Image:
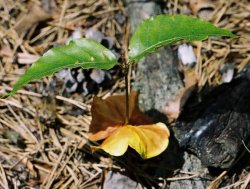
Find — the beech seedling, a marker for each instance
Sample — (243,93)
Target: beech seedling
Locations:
(118,120)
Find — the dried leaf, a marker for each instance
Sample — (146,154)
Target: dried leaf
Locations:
(103,134)
(203,8)
(173,107)
(147,140)
(36,14)
(108,122)
(109,114)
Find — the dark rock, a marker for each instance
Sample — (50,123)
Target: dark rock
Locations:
(215,128)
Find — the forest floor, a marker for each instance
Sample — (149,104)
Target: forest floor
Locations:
(43,128)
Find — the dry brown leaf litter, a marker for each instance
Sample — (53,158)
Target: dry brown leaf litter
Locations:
(55,154)
(55,139)
(216,52)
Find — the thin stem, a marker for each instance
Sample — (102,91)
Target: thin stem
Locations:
(127,96)
(126,70)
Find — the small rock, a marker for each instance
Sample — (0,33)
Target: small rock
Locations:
(115,180)
(92,33)
(77,34)
(186,55)
(192,164)
(227,73)
(97,75)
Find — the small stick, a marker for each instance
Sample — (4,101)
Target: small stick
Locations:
(126,70)
(127,96)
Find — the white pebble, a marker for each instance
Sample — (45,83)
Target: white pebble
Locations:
(228,74)
(97,75)
(94,34)
(186,55)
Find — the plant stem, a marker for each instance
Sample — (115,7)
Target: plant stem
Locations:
(126,96)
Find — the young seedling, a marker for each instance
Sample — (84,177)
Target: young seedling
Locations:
(118,119)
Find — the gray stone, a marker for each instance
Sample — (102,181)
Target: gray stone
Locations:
(115,180)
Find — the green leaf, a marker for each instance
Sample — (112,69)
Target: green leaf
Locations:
(85,53)
(161,30)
